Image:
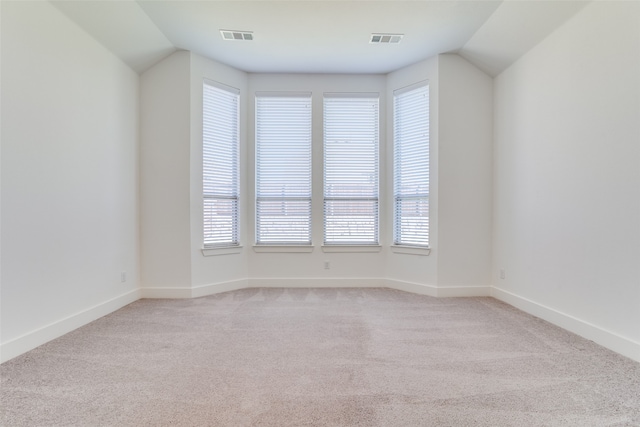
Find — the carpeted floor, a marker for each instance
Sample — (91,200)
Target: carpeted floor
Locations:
(320,357)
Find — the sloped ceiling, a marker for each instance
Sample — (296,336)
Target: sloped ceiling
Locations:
(320,36)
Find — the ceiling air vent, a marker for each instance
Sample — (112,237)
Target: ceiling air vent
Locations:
(385,38)
(232,35)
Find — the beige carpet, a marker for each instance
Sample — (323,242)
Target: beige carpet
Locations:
(320,357)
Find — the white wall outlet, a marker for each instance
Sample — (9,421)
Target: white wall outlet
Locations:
(327,265)
(502,273)
(123,277)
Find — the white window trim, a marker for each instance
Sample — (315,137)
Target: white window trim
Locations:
(410,250)
(342,246)
(220,248)
(283,248)
(221,251)
(406,247)
(351,248)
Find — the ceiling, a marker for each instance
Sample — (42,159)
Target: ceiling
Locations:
(320,36)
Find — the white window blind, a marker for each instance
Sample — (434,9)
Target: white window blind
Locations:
(350,169)
(411,166)
(220,136)
(283,169)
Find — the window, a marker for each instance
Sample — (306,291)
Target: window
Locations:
(411,166)
(283,169)
(220,141)
(350,169)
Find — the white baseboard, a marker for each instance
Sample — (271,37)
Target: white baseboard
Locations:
(317,282)
(287,282)
(608,339)
(464,291)
(172,293)
(440,292)
(195,292)
(415,288)
(216,288)
(31,340)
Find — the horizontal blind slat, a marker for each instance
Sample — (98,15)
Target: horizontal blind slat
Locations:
(220,147)
(351,127)
(283,169)
(411,167)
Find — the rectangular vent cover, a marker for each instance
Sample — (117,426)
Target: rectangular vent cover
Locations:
(386,38)
(232,35)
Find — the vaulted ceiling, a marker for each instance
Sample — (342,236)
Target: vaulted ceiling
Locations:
(321,36)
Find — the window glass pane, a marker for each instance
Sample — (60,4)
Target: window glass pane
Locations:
(350,170)
(283,169)
(220,136)
(411,167)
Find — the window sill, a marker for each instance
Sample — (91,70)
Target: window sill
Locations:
(351,248)
(410,250)
(221,251)
(283,248)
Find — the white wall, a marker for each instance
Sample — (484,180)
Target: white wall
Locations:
(173,264)
(168,162)
(465,151)
(286,268)
(69,177)
(566,211)
(567,177)
(165,174)
(460,177)
(408,268)
(229,268)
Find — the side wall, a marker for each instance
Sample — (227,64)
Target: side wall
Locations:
(465,150)
(69,178)
(461,135)
(173,264)
(219,271)
(415,272)
(165,176)
(567,178)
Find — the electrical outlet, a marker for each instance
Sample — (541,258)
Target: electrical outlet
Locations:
(502,273)
(327,265)
(123,277)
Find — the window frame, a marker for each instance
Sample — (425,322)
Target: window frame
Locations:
(335,105)
(300,195)
(418,166)
(231,137)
